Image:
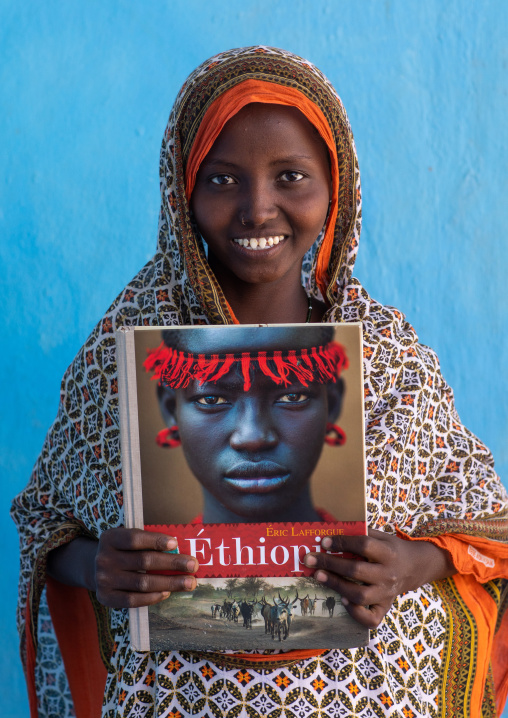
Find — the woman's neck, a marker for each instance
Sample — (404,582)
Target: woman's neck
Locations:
(281,302)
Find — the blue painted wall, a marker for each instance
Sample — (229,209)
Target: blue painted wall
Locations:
(85,91)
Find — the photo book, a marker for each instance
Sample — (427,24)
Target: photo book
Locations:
(246,443)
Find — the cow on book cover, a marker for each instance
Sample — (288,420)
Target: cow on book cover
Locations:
(250,452)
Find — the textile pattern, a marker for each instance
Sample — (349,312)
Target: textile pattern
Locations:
(426,472)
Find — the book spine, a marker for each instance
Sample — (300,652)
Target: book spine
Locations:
(131,464)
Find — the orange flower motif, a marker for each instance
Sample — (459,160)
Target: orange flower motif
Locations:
(374,492)
(372,467)
(440,442)
(174,665)
(386,699)
(175,714)
(353,688)
(408,399)
(452,466)
(122,697)
(496,507)
(318,684)
(352,293)
(366,392)
(422,468)
(403,664)
(282,681)
(243,677)
(425,490)
(412,438)
(107,325)
(89,358)
(402,495)
(431,412)
(419,645)
(425,601)
(440,508)
(207,671)
(381,521)
(129,294)
(114,386)
(150,678)
(367,352)
(394,464)
(162,295)
(408,713)
(386,332)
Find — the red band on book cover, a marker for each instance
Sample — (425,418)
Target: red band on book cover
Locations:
(261,549)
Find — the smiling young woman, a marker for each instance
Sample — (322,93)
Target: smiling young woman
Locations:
(260,214)
(261,198)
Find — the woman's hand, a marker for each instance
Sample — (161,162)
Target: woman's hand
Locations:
(392,567)
(115,567)
(123,558)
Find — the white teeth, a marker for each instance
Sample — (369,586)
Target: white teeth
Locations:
(259,242)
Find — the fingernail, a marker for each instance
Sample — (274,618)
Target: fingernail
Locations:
(188,583)
(326,542)
(165,594)
(191,566)
(171,544)
(310,560)
(344,601)
(321,576)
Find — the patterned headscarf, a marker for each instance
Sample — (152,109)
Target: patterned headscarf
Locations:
(427,474)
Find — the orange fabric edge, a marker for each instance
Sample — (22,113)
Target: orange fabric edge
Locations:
(481,605)
(500,664)
(296,655)
(76,630)
(231,102)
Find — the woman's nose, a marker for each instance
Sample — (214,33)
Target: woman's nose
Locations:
(253,430)
(258,205)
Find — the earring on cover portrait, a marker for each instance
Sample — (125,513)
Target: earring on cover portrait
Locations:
(169,438)
(335,436)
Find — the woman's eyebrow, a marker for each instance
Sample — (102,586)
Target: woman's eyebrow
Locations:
(287,159)
(290,159)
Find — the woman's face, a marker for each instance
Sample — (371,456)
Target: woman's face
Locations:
(266,178)
(254,452)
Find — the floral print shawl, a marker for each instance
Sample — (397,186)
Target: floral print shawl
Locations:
(438,651)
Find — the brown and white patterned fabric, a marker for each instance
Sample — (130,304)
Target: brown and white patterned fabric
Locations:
(427,474)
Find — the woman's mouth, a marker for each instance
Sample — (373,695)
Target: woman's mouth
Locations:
(257,243)
(257,476)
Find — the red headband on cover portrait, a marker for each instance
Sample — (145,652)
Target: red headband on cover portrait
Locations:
(176,369)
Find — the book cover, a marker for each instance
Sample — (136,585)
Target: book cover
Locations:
(247,444)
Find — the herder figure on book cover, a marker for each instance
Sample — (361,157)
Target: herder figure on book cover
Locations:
(250,452)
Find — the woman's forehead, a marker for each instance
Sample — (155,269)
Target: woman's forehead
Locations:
(233,340)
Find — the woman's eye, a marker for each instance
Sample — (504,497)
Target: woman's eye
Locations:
(293,398)
(291,176)
(211,400)
(222,179)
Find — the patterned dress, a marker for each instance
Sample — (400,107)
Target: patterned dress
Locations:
(435,652)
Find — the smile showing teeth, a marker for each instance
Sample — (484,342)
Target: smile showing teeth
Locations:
(259,242)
